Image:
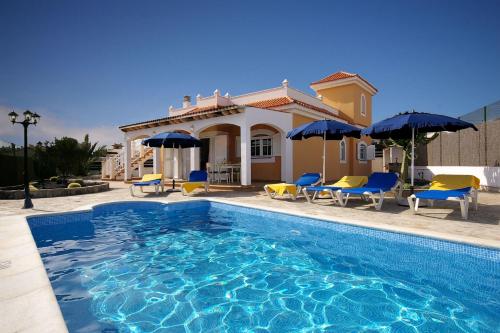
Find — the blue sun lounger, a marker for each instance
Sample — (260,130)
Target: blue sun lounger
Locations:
(462,188)
(344,182)
(198,179)
(148,180)
(307,179)
(378,184)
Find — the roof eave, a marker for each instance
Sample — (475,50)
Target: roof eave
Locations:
(183,118)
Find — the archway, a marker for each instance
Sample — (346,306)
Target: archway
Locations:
(266,143)
(220,153)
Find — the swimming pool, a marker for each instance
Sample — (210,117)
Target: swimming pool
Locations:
(204,266)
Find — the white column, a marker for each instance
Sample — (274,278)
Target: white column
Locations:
(194,156)
(246,158)
(141,169)
(177,163)
(286,159)
(156,160)
(127,160)
(111,169)
(194,159)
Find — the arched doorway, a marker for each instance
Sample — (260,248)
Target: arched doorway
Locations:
(266,153)
(220,147)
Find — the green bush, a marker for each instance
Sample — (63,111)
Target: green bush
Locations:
(74,185)
(54,179)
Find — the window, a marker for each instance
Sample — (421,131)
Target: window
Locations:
(362,154)
(343,151)
(363,105)
(261,146)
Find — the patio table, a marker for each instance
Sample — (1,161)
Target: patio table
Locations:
(231,169)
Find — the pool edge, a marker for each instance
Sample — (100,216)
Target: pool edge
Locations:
(27,302)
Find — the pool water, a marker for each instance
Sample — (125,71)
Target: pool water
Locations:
(202,266)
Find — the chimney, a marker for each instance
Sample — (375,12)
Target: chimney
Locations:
(186,101)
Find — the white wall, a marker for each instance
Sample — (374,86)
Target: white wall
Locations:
(488,176)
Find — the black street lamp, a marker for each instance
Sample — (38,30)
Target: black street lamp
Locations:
(29,119)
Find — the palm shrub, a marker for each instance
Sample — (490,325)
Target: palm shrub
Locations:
(88,154)
(66,156)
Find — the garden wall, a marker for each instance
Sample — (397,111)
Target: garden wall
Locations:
(90,187)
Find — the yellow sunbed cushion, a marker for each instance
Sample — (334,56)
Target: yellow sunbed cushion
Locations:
(453,182)
(191,186)
(151,176)
(351,181)
(282,187)
(348,182)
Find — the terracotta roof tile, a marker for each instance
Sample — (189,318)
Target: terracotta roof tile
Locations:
(263,104)
(204,109)
(340,76)
(269,103)
(281,101)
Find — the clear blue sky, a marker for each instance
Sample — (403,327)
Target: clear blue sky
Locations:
(88,65)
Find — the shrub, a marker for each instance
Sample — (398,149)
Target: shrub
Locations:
(78,181)
(74,185)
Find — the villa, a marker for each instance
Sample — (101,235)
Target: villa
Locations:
(250,131)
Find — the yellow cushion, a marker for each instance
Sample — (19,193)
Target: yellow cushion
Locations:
(351,181)
(191,186)
(151,176)
(453,182)
(282,187)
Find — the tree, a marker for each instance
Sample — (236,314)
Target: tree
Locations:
(67,155)
(88,154)
(421,139)
(74,158)
(44,162)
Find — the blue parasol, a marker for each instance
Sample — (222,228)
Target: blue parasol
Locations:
(171,140)
(406,125)
(328,130)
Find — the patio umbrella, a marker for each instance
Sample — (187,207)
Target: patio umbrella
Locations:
(326,129)
(171,140)
(406,125)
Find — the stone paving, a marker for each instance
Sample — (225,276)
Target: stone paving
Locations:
(444,218)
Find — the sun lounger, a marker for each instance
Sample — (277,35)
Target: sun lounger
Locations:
(148,180)
(311,192)
(378,184)
(197,179)
(462,188)
(280,189)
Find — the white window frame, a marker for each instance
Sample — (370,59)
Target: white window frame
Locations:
(261,139)
(343,159)
(360,159)
(362,105)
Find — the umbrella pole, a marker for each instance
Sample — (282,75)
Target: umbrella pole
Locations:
(176,161)
(412,158)
(162,164)
(324,159)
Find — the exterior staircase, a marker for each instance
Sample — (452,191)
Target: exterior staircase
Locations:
(113,167)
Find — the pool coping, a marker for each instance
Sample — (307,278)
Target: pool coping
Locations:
(25,281)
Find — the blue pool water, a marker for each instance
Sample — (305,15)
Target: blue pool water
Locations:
(210,267)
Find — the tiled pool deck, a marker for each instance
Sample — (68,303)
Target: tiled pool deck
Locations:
(27,302)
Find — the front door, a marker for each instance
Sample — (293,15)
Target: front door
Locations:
(204,153)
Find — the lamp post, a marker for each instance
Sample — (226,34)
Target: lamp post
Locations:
(30,118)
